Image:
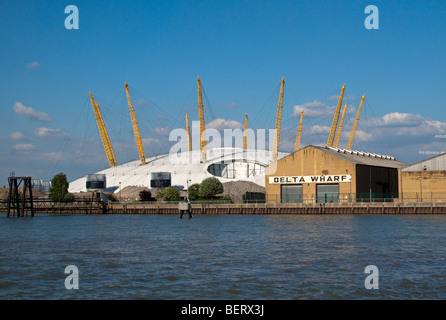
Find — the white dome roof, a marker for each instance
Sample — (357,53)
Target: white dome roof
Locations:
(227,164)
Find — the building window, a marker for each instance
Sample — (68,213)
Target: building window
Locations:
(291,193)
(327,193)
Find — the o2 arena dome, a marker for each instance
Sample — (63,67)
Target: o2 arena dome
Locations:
(226,164)
(182,168)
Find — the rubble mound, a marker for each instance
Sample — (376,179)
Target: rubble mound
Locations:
(237,189)
(36,194)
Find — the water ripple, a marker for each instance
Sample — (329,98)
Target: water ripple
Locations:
(223,257)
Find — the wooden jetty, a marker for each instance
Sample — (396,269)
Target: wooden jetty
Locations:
(20,204)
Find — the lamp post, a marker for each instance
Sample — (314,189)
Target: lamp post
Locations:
(187,184)
(119,191)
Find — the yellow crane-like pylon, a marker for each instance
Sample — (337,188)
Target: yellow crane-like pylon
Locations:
(338,133)
(355,126)
(245,134)
(103,132)
(299,132)
(202,125)
(139,145)
(335,119)
(278,122)
(189,139)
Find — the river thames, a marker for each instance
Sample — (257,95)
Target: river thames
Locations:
(230,257)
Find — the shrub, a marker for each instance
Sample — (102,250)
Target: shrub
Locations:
(68,197)
(194,191)
(160,194)
(171,194)
(210,187)
(145,195)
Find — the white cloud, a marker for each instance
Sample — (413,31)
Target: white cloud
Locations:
(162,131)
(51,156)
(316,109)
(30,113)
(396,119)
(33,65)
(408,126)
(232,105)
(405,132)
(362,136)
(150,141)
(48,132)
(316,129)
(22,147)
(403,135)
(220,124)
(17,135)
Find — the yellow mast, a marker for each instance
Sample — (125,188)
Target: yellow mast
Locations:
(202,125)
(278,122)
(245,134)
(341,123)
(142,156)
(103,132)
(335,119)
(355,126)
(299,132)
(189,140)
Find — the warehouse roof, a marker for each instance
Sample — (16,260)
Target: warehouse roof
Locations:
(436,163)
(363,158)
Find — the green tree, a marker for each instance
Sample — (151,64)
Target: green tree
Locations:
(171,194)
(59,187)
(210,187)
(160,194)
(194,191)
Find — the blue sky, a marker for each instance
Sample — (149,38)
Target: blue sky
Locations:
(241,50)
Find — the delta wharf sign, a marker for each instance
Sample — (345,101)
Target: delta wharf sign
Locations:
(311,179)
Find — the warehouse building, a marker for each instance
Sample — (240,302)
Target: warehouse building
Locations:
(323,175)
(424,181)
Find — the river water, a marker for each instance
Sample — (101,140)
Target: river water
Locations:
(234,257)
